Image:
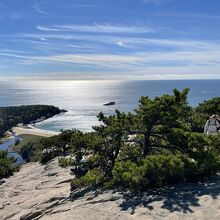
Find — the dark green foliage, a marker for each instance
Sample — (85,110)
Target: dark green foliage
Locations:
(17,142)
(65,162)
(209,107)
(59,142)
(33,149)
(49,154)
(86,147)
(30,152)
(155,120)
(11,116)
(26,140)
(93,177)
(155,170)
(153,147)
(157,144)
(46,149)
(215,142)
(6,165)
(203,112)
(162,170)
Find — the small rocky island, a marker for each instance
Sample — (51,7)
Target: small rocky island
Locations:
(109,104)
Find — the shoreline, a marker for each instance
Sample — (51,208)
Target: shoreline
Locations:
(62,111)
(31,130)
(16,134)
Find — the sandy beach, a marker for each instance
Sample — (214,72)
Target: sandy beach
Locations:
(33,131)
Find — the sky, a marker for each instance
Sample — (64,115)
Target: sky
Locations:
(138,39)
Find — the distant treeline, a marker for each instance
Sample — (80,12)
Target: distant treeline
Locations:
(13,115)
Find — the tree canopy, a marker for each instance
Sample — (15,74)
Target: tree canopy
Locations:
(6,165)
(157,144)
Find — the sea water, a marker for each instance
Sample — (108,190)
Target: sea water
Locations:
(84,99)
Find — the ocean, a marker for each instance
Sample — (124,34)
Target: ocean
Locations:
(84,99)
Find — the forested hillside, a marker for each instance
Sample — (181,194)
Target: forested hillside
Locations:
(13,115)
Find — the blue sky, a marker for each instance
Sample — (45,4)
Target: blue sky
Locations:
(140,39)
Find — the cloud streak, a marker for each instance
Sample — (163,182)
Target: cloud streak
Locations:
(151,65)
(98,28)
(137,43)
(39,9)
(134,60)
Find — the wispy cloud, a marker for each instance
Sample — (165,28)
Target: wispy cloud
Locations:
(133,60)
(98,28)
(138,43)
(38,9)
(121,44)
(120,65)
(45,28)
(13,51)
(176,64)
(74,35)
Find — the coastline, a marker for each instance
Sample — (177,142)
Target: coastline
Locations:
(17,132)
(31,130)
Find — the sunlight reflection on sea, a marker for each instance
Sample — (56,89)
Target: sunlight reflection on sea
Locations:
(85,99)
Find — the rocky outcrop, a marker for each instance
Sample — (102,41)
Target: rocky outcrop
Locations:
(34,191)
(43,192)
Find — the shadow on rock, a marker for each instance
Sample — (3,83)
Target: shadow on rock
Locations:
(180,198)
